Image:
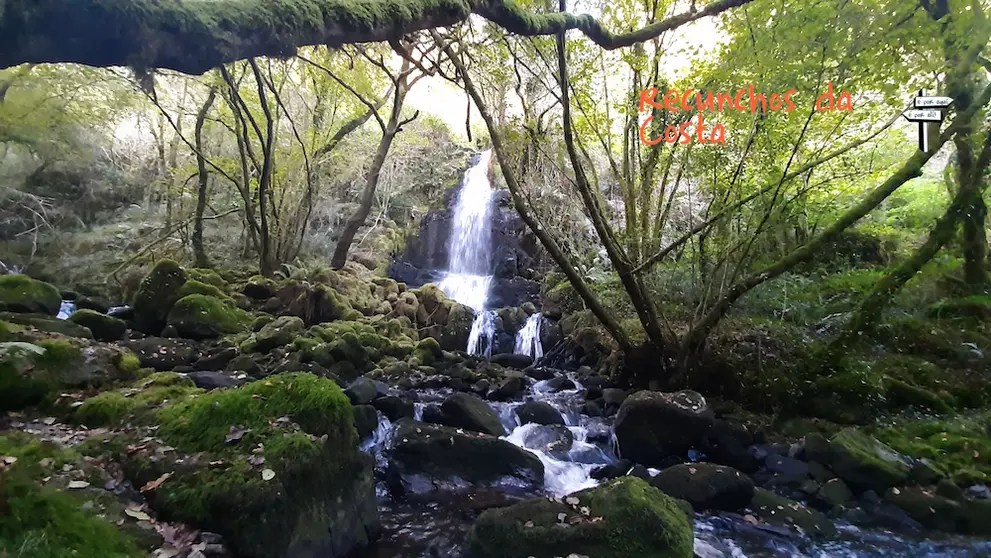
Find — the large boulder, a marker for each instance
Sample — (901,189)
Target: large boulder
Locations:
(468,411)
(445,453)
(272,466)
(554,440)
(156,295)
(865,463)
(103,327)
(706,486)
(20,293)
(205,317)
(653,425)
(622,518)
(538,412)
(163,354)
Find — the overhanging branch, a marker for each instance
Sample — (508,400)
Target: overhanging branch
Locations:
(193,36)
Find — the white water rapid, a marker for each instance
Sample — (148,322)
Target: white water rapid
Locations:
(528,338)
(469,269)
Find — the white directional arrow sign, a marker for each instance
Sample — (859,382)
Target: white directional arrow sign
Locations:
(932,102)
(924,115)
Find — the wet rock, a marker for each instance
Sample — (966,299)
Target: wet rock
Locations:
(361,391)
(777,510)
(554,440)
(865,463)
(613,396)
(246,364)
(728,443)
(47,324)
(103,327)
(787,466)
(443,453)
(612,470)
(625,517)
(706,486)
(394,408)
(979,492)
(433,414)
(592,409)
(538,412)
(924,473)
(163,354)
(652,425)
(929,509)
(212,380)
(277,333)
(467,411)
(559,383)
(510,387)
(834,493)
(947,489)
(539,373)
(510,360)
(366,420)
(216,360)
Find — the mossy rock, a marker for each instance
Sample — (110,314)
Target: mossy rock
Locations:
(260,288)
(866,463)
(931,510)
(777,510)
(973,307)
(135,403)
(103,327)
(20,293)
(427,352)
(902,394)
(47,522)
(193,286)
(321,495)
(207,276)
(951,445)
(48,324)
(626,517)
(278,332)
(156,295)
(204,317)
(706,486)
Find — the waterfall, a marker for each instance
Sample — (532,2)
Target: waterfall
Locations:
(469,270)
(528,338)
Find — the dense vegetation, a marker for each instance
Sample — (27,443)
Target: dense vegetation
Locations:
(223,166)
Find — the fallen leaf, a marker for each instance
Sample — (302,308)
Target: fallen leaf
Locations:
(572,501)
(692,470)
(750,519)
(78,484)
(528,524)
(236,433)
(46,462)
(137,514)
(8,460)
(585,510)
(561,517)
(152,485)
(256,460)
(268,474)
(896,491)
(49,421)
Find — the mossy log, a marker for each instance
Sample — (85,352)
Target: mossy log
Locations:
(194,36)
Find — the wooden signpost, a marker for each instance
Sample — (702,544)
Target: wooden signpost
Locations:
(927,109)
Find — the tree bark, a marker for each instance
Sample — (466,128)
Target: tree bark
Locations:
(195,36)
(199,253)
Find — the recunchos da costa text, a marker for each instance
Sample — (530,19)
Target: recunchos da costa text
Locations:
(745,99)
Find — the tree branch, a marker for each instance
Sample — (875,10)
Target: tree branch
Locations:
(196,35)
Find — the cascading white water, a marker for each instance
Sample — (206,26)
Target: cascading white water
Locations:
(528,337)
(469,270)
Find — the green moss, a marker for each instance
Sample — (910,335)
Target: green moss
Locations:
(427,351)
(972,307)
(196,287)
(104,409)
(59,353)
(41,522)
(9,331)
(104,327)
(129,363)
(634,519)
(156,295)
(21,293)
(207,276)
(47,324)
(902,394)
(203,317)
(317,404)
(951,445)
(135,404)
(863,461)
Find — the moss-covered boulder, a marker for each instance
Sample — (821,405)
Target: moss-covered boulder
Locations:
(46,367)
(865,463)
(444,453)
(47,324)
(137,402)
(156,295)
(427,352)
(260,288)
(929,509)
(193,286)
(103,327)
(903,394)
(625,517)
(208,276)
(280,331)
(777,510)
(706,486)
(205,317)
(20,293)
(272,466)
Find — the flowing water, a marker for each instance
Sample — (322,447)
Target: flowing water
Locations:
(528,338)
(469,269)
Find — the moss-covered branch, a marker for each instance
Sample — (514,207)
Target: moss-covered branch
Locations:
(193,36)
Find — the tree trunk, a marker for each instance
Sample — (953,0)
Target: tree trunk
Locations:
(199,253)
(357,219)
